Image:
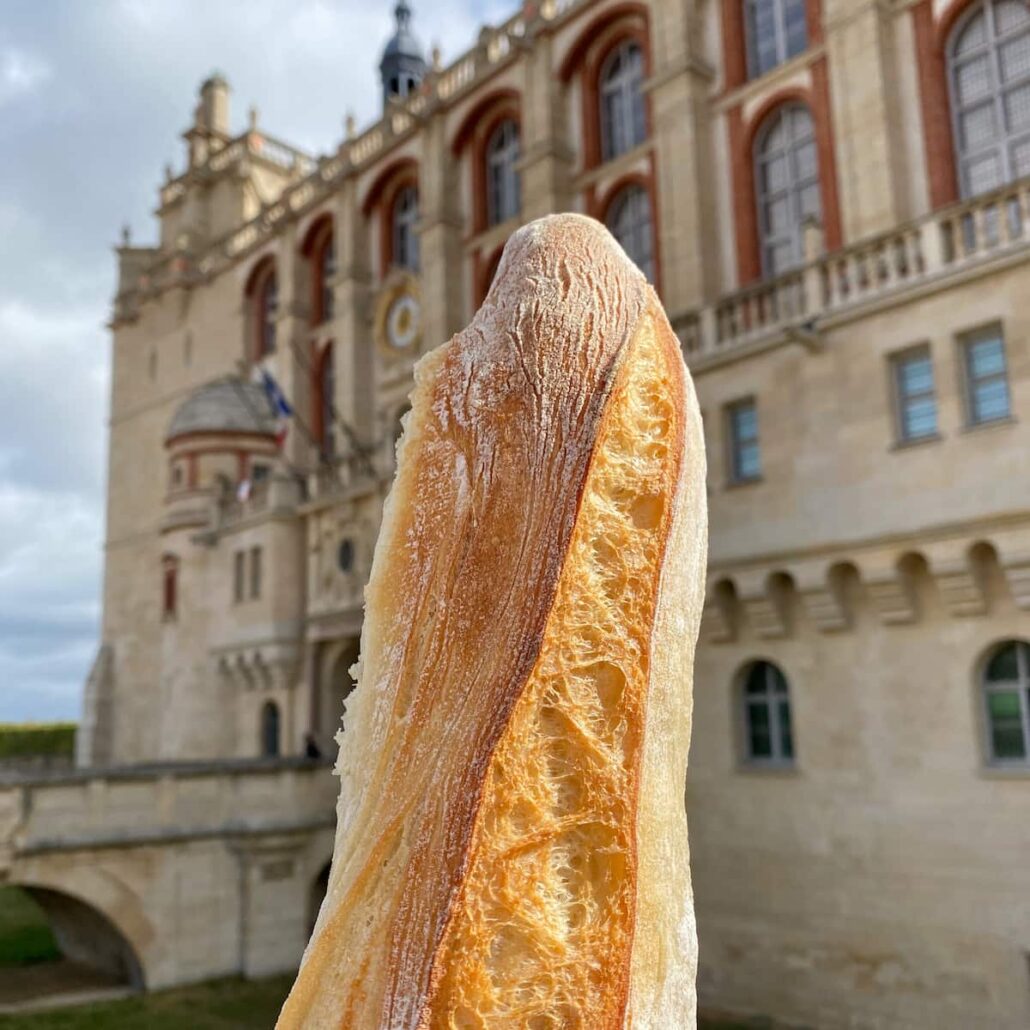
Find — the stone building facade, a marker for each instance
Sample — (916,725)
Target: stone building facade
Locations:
(832,198)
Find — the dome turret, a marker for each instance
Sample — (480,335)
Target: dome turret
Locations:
(403,64)
(226,405)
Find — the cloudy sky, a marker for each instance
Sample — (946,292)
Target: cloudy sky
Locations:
(93,96)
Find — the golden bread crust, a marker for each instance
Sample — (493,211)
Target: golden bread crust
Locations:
(492,469)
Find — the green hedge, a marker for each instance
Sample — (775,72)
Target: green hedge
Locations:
(24,740)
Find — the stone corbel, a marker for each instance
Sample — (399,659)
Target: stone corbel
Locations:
(890,595)
(762,608)
(960,588)
(1013,550)
(716,624)
(821,600)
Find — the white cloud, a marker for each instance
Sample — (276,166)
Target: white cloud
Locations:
(20,72)
(95,96)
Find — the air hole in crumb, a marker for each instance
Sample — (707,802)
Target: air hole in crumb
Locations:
(647,512)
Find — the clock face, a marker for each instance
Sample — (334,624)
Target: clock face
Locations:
(402,321)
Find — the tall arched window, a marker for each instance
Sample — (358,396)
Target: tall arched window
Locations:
(765,697)
(776,31)
(270,745)
(989,78)
(629,219)
(1006,687)
(787,186)
(326,387)
(324,266)
(264,308)
(504,190)
(404,216)
(169,587)
(623,122)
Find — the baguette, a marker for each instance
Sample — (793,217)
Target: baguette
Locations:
(511,848)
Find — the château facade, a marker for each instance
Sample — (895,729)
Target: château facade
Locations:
(832,198)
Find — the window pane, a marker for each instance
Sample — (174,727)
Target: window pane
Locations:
(1019,158)
(796,29)
(990,400)
(749,464)
(986,357)
(1010,14)
(915,375)
(756,678)
(806,161)
(786,735)
(983,174)
(919,418)
(759,731)
(775,173)
(972,36)
(1014,57)
(1004,666)
(978,126)
(1017,109)
(973,79)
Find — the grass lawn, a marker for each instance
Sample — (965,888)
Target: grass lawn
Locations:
(220,1005)
(25,936)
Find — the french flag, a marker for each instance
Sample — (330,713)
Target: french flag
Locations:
(280,405)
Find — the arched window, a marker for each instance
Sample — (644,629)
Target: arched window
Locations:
(1006,687)
(787,186)
(768,737)
(623,123)
(504,190)
(989,77)
(169,587)
(264,308)
(326,401)
(776,31)
(404,217)
(629,219)
(324,267)
(270,730)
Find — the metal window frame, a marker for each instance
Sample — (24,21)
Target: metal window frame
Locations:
(503,182)
(796,183)
(624,89)
(1021,685)
(733,440)
(779,9)
(970,382)
(632,208)
(897,360)
(405,218)
(1003,142)
(771,700)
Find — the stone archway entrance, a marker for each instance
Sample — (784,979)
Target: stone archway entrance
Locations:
(336,683)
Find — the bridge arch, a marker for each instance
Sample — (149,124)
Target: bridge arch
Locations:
(96,919)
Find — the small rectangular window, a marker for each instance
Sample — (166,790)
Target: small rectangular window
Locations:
(255,572)
(986,374)
(745,456)
(915,400)
(238,575)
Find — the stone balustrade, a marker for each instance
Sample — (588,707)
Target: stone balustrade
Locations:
(919,254)
(99,808)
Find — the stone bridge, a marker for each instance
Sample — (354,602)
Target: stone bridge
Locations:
(169,874)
